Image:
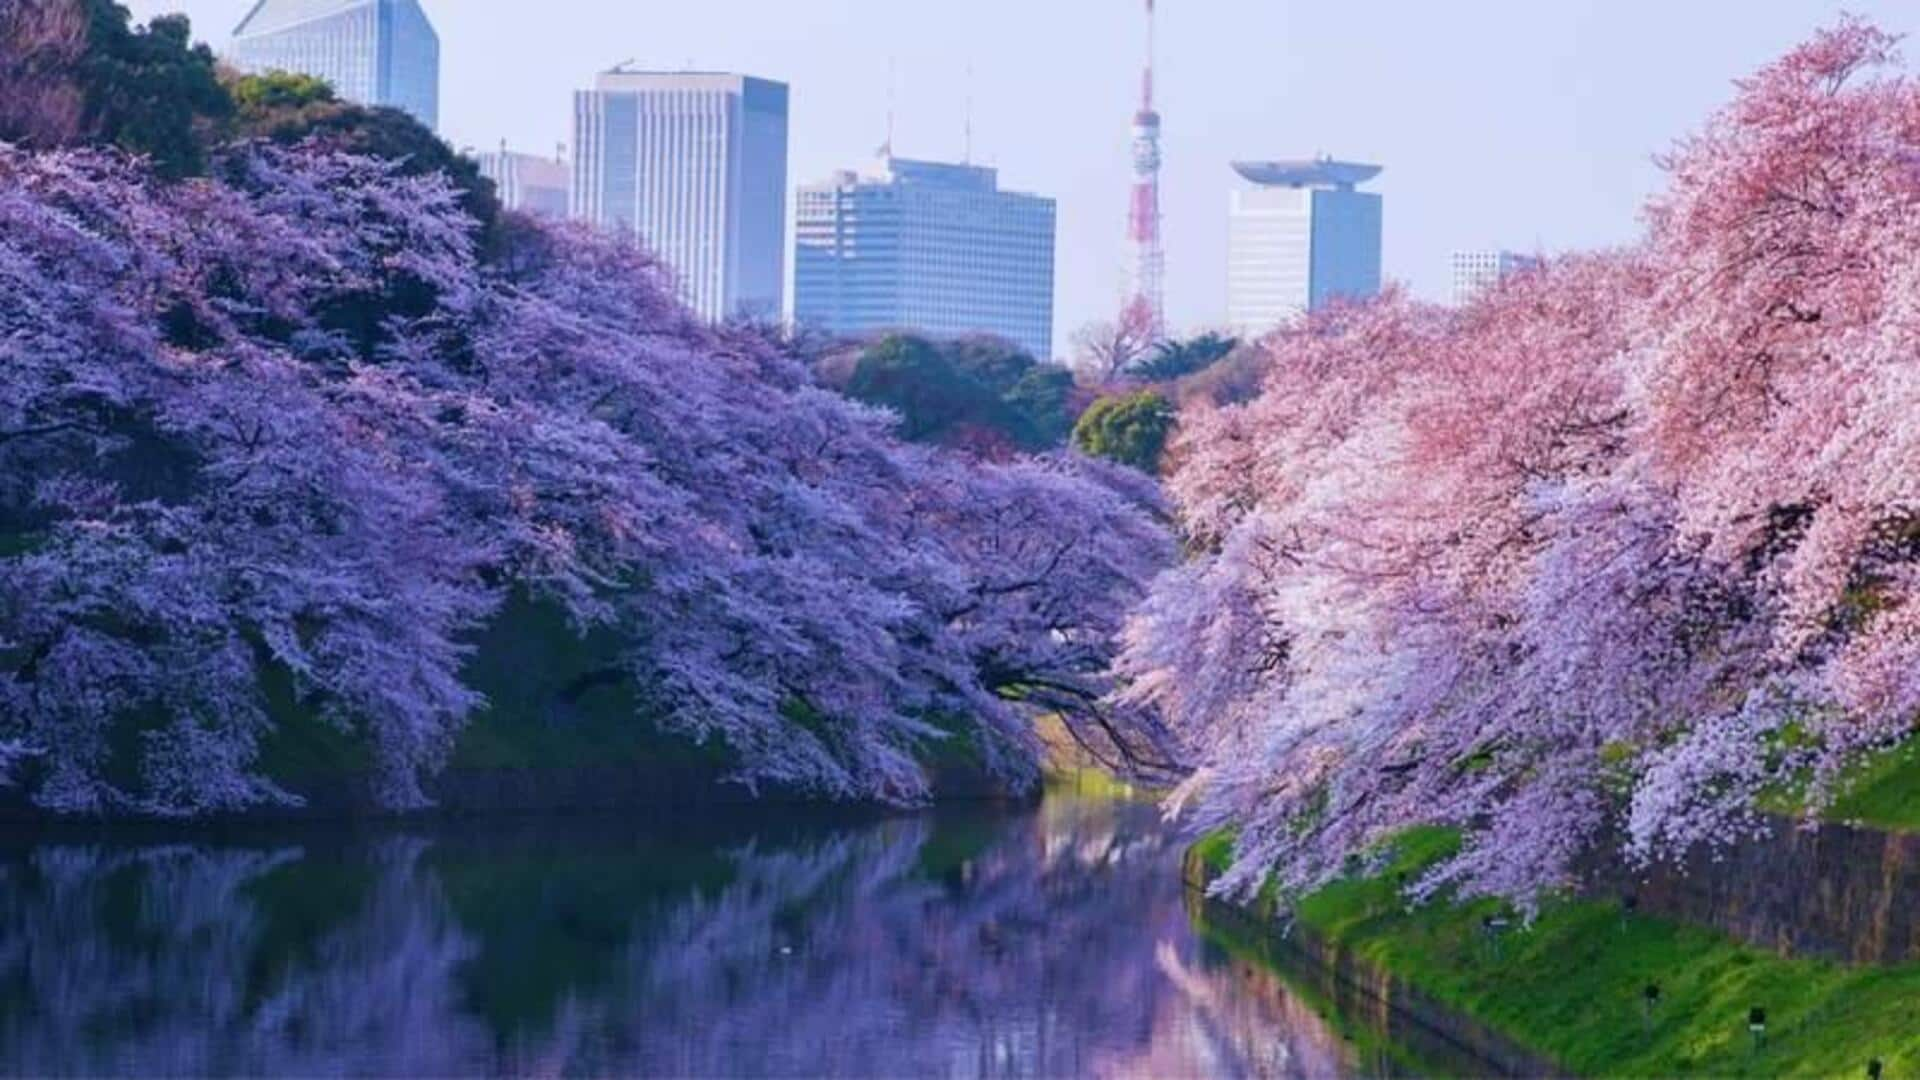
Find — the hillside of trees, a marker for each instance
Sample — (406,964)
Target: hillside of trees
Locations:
(296,428)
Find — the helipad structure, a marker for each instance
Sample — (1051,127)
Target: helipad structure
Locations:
(1309,172)
(1299,238)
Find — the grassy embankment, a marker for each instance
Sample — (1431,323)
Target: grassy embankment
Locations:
(1572,985)
(1881,792)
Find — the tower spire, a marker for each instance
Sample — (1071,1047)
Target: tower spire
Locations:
(1146,307)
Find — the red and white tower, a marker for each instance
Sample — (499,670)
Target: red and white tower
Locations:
(1146,307)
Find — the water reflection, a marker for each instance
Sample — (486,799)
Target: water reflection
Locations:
(1049,943)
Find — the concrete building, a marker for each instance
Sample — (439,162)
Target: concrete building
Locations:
(694,164)
(528,182)
(1474,272)
(1299,238)
(374,52)
(925,246)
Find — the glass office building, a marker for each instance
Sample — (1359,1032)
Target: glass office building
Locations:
(927,247)
(1474,272)
(693,164)
(528,182)
(1299,238)
(374,52)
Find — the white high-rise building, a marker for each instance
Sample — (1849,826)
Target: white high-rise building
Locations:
(1474,272)
(1301,237)
(693,164)
(528,182)
(374,52)
(925,246)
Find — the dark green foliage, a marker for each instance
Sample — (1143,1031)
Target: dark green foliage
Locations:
(287,109)
(1044,397)
(80,72)
(990,361)
(1131,429)
(1176,359)
(965,392)
(256,97)
(914,378)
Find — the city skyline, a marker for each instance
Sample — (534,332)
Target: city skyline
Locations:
(1431,92)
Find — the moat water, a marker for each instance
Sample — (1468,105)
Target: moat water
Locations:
(1048,941)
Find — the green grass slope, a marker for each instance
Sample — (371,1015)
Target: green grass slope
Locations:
(1572,985)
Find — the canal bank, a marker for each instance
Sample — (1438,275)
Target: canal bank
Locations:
(1588,988)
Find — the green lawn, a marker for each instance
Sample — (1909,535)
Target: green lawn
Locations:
(1883,791)
(1572,984)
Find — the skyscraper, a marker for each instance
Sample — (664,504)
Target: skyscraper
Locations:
(1474,272)
(528,182)
(925,246)
(1300,238)
(375,52)
(693,164)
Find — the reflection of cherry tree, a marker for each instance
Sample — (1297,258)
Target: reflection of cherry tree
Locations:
(381,994)
(175,956)
(175,988)
(1053,943)
(1231,1014)
(866,954)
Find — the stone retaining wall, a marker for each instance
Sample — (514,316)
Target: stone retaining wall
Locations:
(1836,892)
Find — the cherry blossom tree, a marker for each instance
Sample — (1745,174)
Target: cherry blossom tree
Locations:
(285,427)
(1612,551)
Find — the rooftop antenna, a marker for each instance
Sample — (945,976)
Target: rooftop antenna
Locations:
(886,148)
(967,152)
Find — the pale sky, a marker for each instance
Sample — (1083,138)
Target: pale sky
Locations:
(1526,124)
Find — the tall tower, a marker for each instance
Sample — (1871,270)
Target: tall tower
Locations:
(1146,306)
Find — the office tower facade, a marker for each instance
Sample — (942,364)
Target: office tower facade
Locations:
(1474,272)
(693,165)
(374,52)
(928,247)
(528,182)
(1299,238)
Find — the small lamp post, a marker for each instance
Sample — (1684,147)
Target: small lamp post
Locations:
(1629,903)
(1757,1025)
(1649,998)
(1492,925)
